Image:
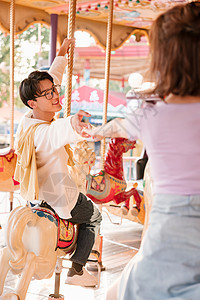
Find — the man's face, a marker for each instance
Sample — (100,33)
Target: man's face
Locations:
(48,105)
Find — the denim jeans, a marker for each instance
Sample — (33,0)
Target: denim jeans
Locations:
(89,217)
(167,265)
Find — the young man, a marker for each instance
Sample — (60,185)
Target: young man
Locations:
(42,160)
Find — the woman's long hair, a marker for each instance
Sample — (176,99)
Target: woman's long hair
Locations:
(175,51)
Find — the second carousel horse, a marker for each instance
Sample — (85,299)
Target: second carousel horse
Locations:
(8,160)
(109,184)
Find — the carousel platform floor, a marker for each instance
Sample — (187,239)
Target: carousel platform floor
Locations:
(120,244)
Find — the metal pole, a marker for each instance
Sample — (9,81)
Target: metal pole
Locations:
(71,29)
(12,37)
(53,37)
(107,75)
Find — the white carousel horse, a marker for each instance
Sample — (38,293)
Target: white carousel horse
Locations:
(29,250)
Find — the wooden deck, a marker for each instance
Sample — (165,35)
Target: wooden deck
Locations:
(120,244)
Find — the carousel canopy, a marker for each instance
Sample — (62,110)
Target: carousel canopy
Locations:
(91,99)
(131,57)
(130,16)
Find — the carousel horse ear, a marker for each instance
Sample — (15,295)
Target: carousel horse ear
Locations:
(140,166)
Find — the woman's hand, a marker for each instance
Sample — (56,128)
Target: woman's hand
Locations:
(92,132)
(65,46)
(78,125)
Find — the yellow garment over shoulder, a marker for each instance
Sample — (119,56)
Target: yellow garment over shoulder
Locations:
(26,168)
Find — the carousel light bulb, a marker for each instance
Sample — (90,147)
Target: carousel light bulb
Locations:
(135,80)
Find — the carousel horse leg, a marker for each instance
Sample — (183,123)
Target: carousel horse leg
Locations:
(123,196)
(96,252)
(125,207)
(100,252)
(10,296)
(26,276)
(95,258)
(4,267)
(11,200)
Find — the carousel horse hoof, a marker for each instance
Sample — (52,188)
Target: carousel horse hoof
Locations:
(10,296)
(124,210)
(52,296)
(134,211)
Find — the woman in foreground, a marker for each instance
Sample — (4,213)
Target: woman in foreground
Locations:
(167,265)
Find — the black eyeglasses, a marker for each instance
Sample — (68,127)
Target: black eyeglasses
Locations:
(49,93)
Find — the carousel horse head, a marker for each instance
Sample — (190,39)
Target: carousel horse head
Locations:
(120,145)
(114,158)
(35,238)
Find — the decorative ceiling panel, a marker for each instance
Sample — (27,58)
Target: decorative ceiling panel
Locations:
(130,16)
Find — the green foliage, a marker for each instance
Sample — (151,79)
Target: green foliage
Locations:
(115,86)
(4,68)
(31,35)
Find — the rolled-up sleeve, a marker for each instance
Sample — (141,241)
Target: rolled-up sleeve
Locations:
(127,128)
(57,69)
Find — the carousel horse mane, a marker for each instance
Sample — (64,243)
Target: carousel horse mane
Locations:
(114,159)
(84,158)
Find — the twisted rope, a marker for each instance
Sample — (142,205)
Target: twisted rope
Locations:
(107,75)
(12,36)
(71,29)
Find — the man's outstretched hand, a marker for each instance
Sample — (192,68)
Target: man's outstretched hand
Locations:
(78,125)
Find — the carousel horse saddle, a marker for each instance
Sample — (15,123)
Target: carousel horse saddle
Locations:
(5,151)
(103,186)
(66,230)
(8,160)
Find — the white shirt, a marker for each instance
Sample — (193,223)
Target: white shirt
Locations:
(56,186)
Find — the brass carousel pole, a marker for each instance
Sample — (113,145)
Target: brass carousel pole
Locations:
(12,36)
(67,110)
(71,29)
(105,105)
(107,75)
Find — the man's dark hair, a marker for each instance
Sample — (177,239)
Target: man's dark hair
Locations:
(29,88)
